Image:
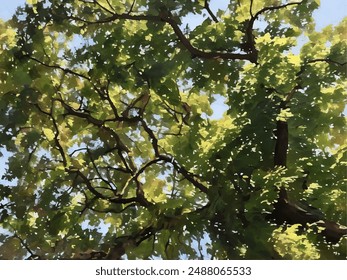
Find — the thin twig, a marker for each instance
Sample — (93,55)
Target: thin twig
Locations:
(208,9)
(132,7)
(250,9)
(32,254)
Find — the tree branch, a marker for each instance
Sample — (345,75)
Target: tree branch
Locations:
(100,195)
(250,44)
(32,256)
(266,9)
(66,70)
(169,159)
(302,69)
(103,8)
(287,211)
(327,60)
(207,8)
(250,9)
(166,17)
(132,7)
(185,173)
(82,115)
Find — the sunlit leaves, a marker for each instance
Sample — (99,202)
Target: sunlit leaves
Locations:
(154,190)
(49,133)
(32,2)
(284,115)
(291,244)
(7,35)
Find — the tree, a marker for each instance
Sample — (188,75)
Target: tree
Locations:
(113,150)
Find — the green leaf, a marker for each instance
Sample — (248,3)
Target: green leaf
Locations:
(169,92)
(57,223)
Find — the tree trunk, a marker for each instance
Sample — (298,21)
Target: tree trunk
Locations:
(292,212)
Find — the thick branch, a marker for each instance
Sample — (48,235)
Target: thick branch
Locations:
(280,158)
(250,44)
(166,17)
(203,54)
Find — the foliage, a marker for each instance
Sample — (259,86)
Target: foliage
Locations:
(106,115)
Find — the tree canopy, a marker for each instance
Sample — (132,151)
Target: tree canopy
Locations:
(113,150)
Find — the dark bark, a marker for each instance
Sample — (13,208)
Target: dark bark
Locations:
(281,148)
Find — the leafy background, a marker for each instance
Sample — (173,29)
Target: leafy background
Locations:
(162,206)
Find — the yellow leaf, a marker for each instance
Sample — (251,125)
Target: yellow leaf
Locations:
(284,115)
(48,40)
(266,38)
(32,2)
(48,133)
(32,218)
(294,59)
